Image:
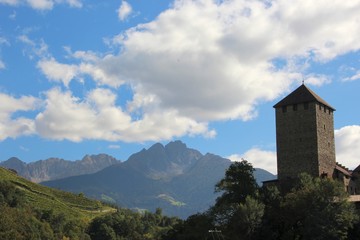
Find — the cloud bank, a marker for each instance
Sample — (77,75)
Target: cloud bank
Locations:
(258,158)
(197,62)
(348,146)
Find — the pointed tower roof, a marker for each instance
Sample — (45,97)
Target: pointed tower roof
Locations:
(301,95)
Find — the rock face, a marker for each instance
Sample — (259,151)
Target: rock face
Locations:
(56,168)
(178,179)
(163,162)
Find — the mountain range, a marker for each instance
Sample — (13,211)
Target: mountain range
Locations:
(56,168)
(178,179)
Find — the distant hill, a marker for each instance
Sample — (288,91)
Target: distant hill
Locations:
(56,168)
(178,179)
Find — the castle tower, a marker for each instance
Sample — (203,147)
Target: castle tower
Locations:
(304,135)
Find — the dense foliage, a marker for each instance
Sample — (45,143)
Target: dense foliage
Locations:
(126,224)
(314,209)
(20,220)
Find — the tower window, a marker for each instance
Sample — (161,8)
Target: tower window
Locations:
(306,106)
(295,107)
(284,109)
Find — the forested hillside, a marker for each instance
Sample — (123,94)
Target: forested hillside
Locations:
(32,211)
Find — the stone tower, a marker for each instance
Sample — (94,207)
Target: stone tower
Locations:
(304,135)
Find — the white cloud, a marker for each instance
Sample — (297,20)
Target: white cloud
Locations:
(258,158)
(42,4)
(74,3)
(353,78)
(14,127)
(225,70)
(124,10)
(3,41)
(90,65)
(34,48)
(348,146)
(197,62)
(97,117)
(55,71)
(317,80)
(10,2)
(113,146)
(180,68)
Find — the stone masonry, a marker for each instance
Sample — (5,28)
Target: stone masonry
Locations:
(304,135)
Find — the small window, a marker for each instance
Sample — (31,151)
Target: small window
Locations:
(324,109)
(284,109)
(306,106)
(319,107)
(295,107)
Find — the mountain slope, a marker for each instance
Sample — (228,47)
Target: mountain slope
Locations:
(45,198)
(175,178)
(56,168)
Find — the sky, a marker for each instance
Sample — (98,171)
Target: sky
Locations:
(84,77)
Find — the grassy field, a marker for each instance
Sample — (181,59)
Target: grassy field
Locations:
(45,198)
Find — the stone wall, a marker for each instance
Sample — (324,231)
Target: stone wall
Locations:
(305,140)
(326,141)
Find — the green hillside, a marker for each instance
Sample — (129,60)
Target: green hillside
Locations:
(30,211)
(59,202)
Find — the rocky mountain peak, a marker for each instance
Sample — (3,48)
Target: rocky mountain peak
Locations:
(164,162)
(175,146)
(15,160)
(56,168)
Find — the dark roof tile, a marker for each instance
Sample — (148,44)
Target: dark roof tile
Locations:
(301,95)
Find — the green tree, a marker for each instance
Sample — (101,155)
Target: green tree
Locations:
(126,224)
(246,219)
(272,222)
(238,183)
(238,211)
(315,209)
(10,194)
(194,227)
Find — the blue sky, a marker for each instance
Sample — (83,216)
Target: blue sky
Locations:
(86,77)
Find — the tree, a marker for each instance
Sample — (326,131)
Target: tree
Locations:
(247,218)
(195,227)
(238,183)
(10,194)
(315,209)
(238,211)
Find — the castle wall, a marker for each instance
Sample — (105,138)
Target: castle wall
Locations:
(326,141)
(305,140)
